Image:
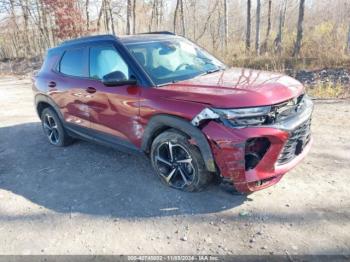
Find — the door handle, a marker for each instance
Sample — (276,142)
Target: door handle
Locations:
(52,84)
(91,90)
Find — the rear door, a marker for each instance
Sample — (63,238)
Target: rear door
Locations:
(114,110)
(69,87)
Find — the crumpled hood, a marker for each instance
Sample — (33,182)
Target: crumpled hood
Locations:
(236,87)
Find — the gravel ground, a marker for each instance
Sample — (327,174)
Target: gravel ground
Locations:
(88,199)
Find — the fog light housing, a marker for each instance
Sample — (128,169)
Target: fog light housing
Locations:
(255,149)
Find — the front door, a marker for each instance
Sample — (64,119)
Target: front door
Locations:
(114,110)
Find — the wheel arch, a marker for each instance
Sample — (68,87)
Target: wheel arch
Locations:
(160,123)
(43,101)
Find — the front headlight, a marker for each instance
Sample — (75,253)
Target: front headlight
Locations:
(243,112)
(245,116)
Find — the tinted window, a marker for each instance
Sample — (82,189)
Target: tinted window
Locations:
(105,60)
(74,63)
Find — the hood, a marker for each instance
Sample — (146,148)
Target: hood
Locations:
(236,87)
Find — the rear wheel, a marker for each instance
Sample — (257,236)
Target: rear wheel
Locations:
(178,163)
(53,128)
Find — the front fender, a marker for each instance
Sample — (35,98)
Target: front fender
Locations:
(158,122)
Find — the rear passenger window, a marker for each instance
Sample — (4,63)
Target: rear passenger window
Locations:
(105,60)
(74,63)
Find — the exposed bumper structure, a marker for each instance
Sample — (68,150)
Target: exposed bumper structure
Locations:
(288,143)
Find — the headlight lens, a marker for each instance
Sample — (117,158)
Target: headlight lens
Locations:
(244,112)
(245,116)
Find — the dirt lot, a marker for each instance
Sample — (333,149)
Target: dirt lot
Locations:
(88,199)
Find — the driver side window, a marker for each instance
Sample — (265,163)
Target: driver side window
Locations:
(105,60)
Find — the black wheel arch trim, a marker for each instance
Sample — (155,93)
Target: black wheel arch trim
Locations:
(158,122)
(41,98)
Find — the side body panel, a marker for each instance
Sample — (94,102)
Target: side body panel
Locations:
(115,110)
(71,97)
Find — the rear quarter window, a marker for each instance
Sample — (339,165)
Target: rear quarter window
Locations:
(75,62)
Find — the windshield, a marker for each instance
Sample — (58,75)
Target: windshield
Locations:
(169,61)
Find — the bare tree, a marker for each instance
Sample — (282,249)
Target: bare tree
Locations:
(282,16)
(348,42)
(152,16)
(207,21)
(134,17)
(110,12)
(247,39)
(179,7)
(268,30)
(175,15)
(226,22)
(87,13)
(257,27)
(100,15)
(299,39)
(157,14)
(183,23)
(128,17)
(106,16)
(29,27)
(24,6)
(193,5)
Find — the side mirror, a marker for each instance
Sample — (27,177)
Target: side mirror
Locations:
(117,78)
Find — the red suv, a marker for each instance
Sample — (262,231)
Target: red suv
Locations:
(161,95)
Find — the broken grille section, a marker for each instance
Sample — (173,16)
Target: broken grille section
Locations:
(287,109)
(298,139)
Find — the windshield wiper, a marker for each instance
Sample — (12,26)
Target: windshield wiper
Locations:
(202,74)
(214,70)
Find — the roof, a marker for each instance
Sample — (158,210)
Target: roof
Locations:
(144,37)
(85,39)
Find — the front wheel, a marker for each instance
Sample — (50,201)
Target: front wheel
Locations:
(178,163)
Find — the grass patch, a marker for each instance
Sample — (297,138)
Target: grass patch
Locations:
(328,90)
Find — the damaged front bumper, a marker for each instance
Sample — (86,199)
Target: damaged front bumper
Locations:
(278,148)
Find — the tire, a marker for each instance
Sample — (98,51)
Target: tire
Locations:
(190,172)
(53,128)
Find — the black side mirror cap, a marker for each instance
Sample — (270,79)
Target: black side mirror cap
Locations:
(117,78)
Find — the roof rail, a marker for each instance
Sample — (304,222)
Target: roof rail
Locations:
(158,32)
(87,38)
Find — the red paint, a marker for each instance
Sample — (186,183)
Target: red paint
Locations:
(228,147)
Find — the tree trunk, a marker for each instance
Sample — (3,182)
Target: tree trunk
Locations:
(24,7)
(128,16)
(16,31)
(226,22)
(152,17)
(247,39)
(41,23)
(111,16)
(268,30)
(183,23)
(134,17)
(87,15)
(175,15)
(207,21)
(157,9)
(348,42)
(257,27)
(278,40)
(299,39)
(194,23)
(161,12)
(100,15)
(106,16)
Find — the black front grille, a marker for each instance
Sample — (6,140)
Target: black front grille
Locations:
(297,140)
